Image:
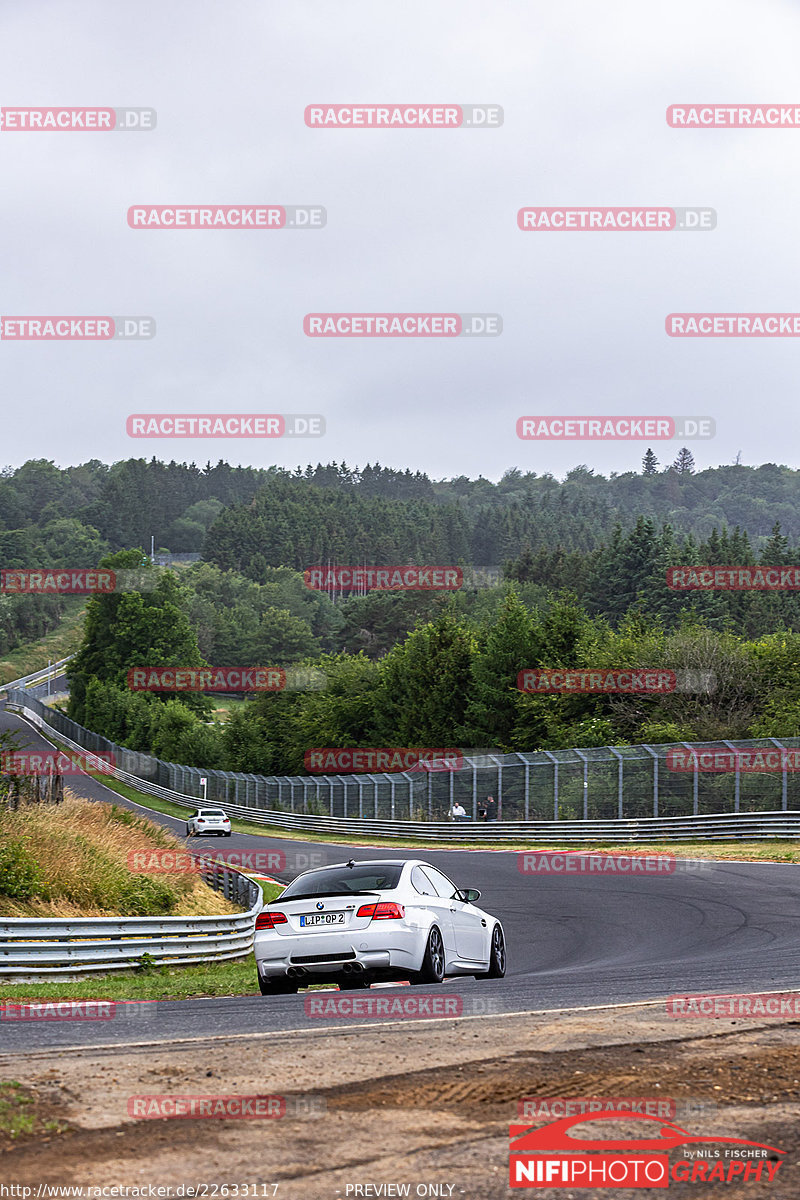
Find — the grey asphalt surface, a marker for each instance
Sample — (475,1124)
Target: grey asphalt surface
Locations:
(573,941)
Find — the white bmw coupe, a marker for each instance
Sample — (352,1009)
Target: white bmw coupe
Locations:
(355,923)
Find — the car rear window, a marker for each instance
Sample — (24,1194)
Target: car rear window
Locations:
(340,881)
(211,812)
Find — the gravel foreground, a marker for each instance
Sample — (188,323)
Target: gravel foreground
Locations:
(420,1103)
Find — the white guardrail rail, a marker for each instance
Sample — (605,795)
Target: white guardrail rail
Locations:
(40,676)
(35,947)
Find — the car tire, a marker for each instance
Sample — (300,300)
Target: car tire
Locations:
(432,970)
(227,834)
(354,983)
(188,831)
(276,986)
(497,956)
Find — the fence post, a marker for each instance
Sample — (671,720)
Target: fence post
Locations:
(554,761)
(652,752)
(737,776)
(585,762)
(696,761)
(618,757)
(783,750)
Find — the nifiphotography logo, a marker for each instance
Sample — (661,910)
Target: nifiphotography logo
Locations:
(547,1156)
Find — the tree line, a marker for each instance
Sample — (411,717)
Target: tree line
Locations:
(450,680)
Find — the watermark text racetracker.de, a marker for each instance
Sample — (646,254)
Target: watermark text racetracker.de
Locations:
(224,425)
(148,860)
(733,325)
(224,1108)
(54,581)
(399,324)
(384,579)
(403,1006)
(76,329)
(626,681)
(588,429)
(227,216)
(754,760)
(548,1108)
(547,862)
(403,116)
(618,220)
(78,1010)
(206,679)
(734,579)
(734,116)
(735,1005)
(332,760)
(64,120)
(20,763)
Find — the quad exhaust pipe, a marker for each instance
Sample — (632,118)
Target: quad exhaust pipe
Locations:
(296,972)
(354,968)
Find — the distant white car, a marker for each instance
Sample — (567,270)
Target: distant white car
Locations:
(208,820)
(355,923)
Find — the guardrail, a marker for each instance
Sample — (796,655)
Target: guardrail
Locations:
(40,676)
(36,946)
(777,823)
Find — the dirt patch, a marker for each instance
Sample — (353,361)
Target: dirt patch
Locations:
(406,1104)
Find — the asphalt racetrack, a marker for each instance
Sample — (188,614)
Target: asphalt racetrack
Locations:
(573,940)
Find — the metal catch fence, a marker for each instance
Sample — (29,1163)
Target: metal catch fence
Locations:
(623,783)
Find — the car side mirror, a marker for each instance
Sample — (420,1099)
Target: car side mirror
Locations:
(469,895)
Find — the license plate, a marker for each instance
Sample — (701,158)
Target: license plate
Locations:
(334,918)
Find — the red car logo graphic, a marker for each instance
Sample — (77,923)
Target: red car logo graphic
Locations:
(533,1138)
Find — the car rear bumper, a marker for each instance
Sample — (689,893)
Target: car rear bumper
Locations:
(327,954)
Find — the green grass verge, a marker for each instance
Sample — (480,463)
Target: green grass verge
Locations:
(153,983)
(34,656)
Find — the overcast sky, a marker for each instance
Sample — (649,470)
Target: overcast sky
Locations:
(418,221)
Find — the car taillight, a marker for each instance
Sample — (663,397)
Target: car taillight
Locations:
(385,911)
(201,821)
(268,920)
